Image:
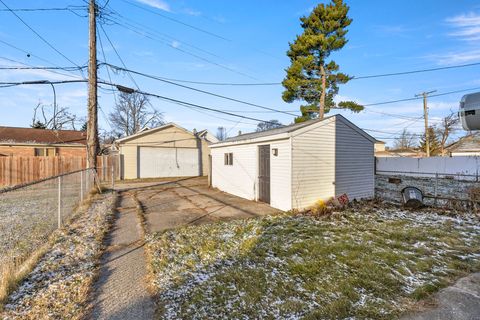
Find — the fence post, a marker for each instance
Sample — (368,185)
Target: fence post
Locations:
(81,185)
(113,173)
(59,202)
(436,188)
(87,180)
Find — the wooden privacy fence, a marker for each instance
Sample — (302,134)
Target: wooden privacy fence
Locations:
(19,170)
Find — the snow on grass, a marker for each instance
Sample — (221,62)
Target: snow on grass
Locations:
(364,263)
(28,216)
(58,286)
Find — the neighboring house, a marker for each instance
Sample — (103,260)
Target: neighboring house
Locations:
(379,146)
(380,149)
(465,146)
(409,153)
(294,166)
(165,151)
(29,142)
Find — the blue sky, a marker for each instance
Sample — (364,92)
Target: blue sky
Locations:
(248,39)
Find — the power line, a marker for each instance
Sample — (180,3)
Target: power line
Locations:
(354,78)
(19,83)
(108,71)
(43,68)
(185,51)
(37,34)
(188,104)
(124,65)
(154,32)
(416,71)
(178,21)
(184,103)
(33,55)
(197,90)
(72,8)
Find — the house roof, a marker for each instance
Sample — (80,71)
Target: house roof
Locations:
(468,143)
(15,135)
(207,135)
(291,128)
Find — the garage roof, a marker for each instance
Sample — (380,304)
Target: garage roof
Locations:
(147,131)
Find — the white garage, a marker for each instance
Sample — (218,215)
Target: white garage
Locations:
(168,162)
(165,151)
(294,166)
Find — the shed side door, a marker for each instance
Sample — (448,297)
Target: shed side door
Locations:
(264,173)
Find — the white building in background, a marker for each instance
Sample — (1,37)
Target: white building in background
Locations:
(294,166)
(165,151)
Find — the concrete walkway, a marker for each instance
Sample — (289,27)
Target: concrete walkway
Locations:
(191,202)
(458,302)
(120,291)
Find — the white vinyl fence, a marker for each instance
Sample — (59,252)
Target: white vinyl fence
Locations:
(461,168)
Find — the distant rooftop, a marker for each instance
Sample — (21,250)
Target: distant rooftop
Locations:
(41,136)
(467,143)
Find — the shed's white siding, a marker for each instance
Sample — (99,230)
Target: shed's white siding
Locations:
(313,164)
(241,178)
(354,162)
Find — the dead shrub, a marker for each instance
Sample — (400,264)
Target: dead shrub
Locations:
(474,195)
(320,208)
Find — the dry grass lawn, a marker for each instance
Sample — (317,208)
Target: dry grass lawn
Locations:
(362,263)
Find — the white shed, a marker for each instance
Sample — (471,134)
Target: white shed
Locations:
(294,166)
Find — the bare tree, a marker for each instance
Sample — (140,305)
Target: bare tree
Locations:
(267,125)
(445,128)
(221,133)
(131,114)
(406,140)
(59,119)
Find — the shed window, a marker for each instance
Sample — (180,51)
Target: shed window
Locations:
(228,159)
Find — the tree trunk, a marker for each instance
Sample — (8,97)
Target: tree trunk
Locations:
(321,107)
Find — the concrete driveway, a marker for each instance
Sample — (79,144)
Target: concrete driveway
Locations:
(170,203)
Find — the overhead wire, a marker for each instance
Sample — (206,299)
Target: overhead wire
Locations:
(354,78)
(108,71)
(36,56)
(198,90)
(209,61)
(125,66)
(180,102)
(70,8)
(155,32)
(38,34)
(216,35)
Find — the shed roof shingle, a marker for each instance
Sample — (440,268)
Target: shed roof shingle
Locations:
(290,128)
(41,136)
(271,132)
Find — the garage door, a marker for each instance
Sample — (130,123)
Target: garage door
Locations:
(168,162)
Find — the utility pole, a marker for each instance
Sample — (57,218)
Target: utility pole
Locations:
(92,125)
(425,117)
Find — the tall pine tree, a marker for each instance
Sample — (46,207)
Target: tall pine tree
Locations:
(312,76)
(434,142)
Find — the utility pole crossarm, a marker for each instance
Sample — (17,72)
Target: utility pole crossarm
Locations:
(425,116)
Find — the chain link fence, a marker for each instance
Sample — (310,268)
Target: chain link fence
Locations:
(30,213)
